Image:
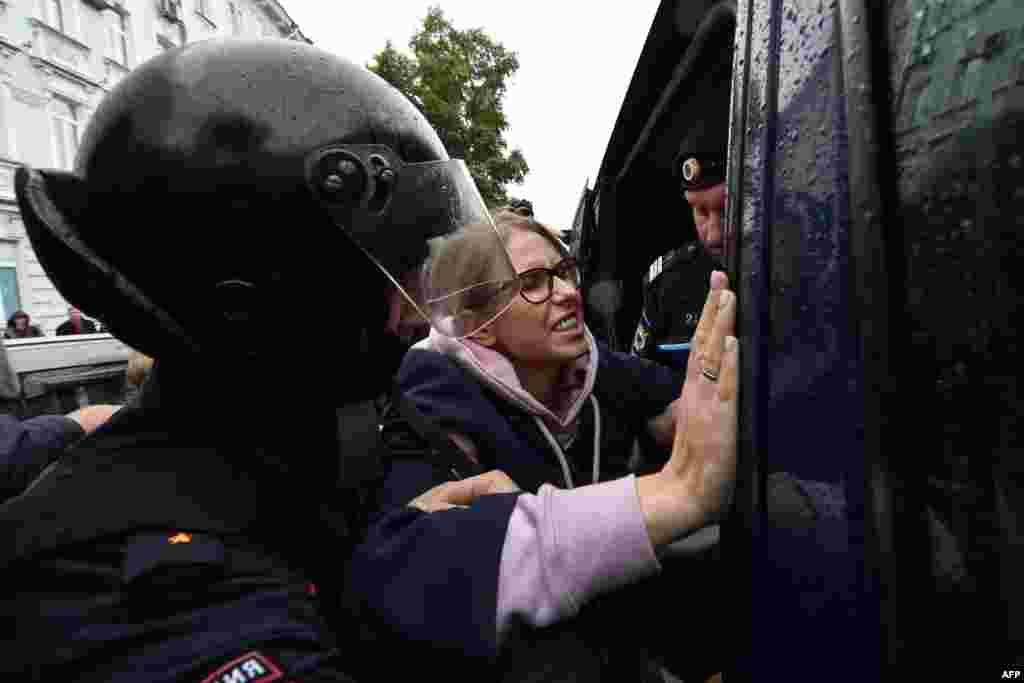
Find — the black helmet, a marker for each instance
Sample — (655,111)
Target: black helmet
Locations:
(229,180)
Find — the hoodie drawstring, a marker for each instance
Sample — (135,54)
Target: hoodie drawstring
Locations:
(566,473)
(597,438)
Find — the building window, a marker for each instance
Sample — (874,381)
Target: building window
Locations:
(66,123)
(117,37)
(8,123)
(170,9)
(54,13)
(237,19)
(10,301)
(61,15)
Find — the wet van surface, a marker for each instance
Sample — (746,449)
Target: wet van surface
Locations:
(875,209)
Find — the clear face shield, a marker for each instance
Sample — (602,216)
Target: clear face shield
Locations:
(426,227)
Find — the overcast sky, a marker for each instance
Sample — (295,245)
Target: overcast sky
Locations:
(576,59)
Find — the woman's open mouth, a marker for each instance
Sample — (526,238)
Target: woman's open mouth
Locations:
(567,324)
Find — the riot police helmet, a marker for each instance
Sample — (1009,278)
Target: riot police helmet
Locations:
(233,192)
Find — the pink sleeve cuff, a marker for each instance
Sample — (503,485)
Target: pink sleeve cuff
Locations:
(565,547)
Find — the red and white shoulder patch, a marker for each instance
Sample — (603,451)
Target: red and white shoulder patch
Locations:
(249,668)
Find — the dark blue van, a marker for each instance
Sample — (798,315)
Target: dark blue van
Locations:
(876,210)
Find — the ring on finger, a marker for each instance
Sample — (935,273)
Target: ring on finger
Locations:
(710,374)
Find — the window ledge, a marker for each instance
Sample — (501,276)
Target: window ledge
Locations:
(7,46)
(206,20)
(77,42)
(7,168)
(165,42)
(110,61)
(68,70)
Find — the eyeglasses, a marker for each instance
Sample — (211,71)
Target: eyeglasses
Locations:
(537,284)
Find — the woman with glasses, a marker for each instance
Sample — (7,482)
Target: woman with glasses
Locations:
(541,584)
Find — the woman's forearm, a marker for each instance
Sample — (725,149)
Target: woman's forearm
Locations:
(669,511)
(565,547)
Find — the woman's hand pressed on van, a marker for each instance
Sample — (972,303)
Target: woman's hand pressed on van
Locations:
(695,486)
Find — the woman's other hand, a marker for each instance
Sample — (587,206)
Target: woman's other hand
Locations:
(463,492)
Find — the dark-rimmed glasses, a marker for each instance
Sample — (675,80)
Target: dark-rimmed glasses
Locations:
(537,284)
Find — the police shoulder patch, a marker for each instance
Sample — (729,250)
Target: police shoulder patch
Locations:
(641,336)
(249,668)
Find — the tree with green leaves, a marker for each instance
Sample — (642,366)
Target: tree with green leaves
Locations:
(457,78)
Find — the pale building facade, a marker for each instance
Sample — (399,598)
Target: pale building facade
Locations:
(57,60)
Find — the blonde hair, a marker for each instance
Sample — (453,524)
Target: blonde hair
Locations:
(467,267)
(506,219)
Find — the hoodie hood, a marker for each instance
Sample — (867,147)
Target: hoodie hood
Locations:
(496,371)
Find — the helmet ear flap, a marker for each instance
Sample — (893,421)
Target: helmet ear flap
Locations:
(52,204)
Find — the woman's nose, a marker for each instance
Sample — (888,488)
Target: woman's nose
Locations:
(564,289)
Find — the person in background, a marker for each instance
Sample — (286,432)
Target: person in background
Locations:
(10,384)
(676,283)
(76,324)
(28,446)
(19,326)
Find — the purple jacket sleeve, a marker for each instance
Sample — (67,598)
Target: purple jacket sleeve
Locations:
(564,548)
(28,446)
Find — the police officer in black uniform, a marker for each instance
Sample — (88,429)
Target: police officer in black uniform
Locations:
(199,534)
(677,283)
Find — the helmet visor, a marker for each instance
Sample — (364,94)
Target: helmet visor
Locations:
(459,277)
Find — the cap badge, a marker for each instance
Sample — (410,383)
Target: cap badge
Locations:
(691,169)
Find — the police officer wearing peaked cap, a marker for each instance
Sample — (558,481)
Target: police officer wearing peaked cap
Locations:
(674,296)
(677,283)
(199,534)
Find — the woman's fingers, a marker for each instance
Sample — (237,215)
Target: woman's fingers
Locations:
(707,319)
(703,461)
(729,379)
(441,507)
(724,325)
(496,481)
(464,491)
(719,282)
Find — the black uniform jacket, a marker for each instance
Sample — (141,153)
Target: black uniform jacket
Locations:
(673,301)
(144,555)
